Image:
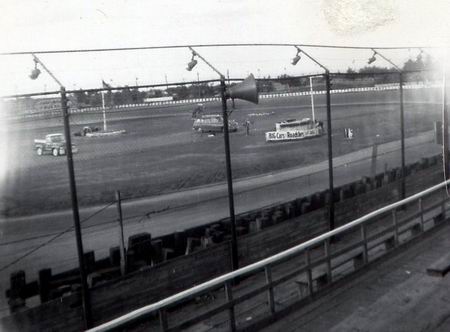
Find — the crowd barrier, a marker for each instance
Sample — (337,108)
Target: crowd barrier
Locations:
(400,223)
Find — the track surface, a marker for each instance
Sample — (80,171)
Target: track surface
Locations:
(160,157)
(160,153)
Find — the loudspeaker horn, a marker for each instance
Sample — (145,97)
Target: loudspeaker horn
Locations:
(246,90)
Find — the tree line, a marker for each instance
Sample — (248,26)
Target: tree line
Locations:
(366,76)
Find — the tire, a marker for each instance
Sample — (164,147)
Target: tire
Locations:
(55,152)
(39,151)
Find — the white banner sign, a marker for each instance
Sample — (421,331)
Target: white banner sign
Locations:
(291,135)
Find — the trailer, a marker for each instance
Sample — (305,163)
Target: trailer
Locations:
(293,129)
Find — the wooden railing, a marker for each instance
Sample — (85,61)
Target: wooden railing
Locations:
(324,260)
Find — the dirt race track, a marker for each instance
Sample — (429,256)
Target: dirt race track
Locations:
(160,153)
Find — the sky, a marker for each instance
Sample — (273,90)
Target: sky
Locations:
(33,25)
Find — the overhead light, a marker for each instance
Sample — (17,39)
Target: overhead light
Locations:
(192,63)
(372,59)
(296,58)
(35,72)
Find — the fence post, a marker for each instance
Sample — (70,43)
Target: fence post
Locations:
(328,258)
(229,298)
(394,220)
(365,247)
(271,299)
(163,320)
(444,200)
(309,272)
(422,225)
(121,237)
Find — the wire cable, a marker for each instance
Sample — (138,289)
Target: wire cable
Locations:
(121,49)
(28,253)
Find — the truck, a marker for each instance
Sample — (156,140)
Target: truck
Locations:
(53,144)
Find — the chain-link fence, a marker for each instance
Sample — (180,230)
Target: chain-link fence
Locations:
(162,148)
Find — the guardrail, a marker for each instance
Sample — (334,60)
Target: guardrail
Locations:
(313,272)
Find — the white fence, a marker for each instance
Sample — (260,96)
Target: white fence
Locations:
(33,114)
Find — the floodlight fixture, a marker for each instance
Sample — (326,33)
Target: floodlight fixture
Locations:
(372,59)
(35,72)
(297,57)
(192,63)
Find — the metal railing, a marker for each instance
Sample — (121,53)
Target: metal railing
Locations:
(413,222)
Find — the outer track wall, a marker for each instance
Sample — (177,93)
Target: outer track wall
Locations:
(271,240)
(152,283)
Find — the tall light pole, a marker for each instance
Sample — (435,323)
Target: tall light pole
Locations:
(226,137)
(73,192)
(402,121)
(326,75)
(246,90)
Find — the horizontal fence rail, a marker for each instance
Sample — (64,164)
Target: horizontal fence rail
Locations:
(32,114)
(359,250)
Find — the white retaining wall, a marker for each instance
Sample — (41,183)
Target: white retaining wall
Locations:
(33,114)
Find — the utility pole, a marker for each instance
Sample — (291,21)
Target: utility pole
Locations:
(330,153)
(234,248)
(402,140)
(86,303)
(226,137)
(402,122)
(327,78)
(75,210)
